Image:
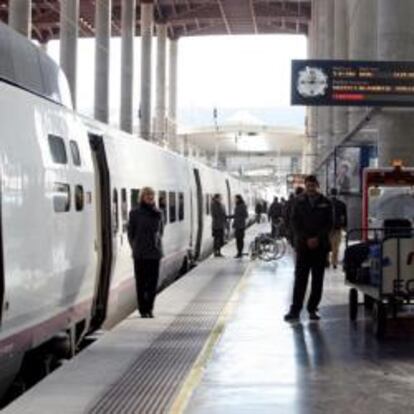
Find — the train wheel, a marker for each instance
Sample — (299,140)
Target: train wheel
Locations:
(380,319)
(353,304)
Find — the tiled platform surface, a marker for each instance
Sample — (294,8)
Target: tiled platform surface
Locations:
(259,365)
(139,366)
(264,365)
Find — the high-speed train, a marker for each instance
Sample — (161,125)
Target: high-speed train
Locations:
(67,186)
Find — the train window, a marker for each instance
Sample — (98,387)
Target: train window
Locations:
(162,204)
(57,149)
(134,198)
(79,198)
(74,149)
(115,216)
(180,206)
(172,207)
(61,197)
(124,210)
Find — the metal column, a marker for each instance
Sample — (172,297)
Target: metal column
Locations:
(310,146)
(362,46)
(172,104)
(20,16)
(69,16)
(127,65)
(103,35)
(340,114)
(325,46)
(395,42)
(161,83)
(147,10)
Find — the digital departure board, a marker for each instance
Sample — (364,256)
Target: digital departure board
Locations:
(352,83)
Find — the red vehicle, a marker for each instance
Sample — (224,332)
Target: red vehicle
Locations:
(384,274)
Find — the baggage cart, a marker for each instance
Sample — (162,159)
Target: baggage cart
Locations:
(385,278)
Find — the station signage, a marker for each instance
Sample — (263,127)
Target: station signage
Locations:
(352,83)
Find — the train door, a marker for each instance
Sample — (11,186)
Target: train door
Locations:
(191,219)
(199,227)
(104,232)
(2,278)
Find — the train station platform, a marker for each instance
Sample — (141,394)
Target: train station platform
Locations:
(219,344)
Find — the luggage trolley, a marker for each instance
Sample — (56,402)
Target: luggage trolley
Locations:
(382,269)
(381,265)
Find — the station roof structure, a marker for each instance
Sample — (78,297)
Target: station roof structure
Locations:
(183,17)
(245,134)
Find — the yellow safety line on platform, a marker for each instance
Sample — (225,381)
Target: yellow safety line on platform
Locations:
(196,373)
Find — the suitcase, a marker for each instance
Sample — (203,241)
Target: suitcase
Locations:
(354,256)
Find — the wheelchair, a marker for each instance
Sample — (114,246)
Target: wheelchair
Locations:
(267,248)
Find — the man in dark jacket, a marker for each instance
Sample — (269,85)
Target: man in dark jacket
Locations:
(311,223)
(219,222)
(340,222)
(145,230)
(274,215)
(287,214)
(239,224)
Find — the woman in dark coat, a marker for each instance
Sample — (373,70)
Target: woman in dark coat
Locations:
(145,230)
(239,223)
(218,224)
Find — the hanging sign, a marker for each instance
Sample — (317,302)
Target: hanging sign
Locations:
(352,83)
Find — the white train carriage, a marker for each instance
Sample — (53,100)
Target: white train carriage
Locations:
(67,186)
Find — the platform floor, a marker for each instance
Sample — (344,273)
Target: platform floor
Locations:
(219,345)
(264,365)
(140,365)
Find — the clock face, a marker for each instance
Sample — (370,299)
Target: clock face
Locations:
(312,82)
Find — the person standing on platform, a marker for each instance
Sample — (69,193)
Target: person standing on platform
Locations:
(339,224)
(264,207)
(219,222)
(145,231)
(239,223)
(287,214)
(312,219)
(275,215)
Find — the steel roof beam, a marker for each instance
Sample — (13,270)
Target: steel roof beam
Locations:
(254,19)
(223,14)
(185,17)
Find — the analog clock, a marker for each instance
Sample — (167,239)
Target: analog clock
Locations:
(312,82)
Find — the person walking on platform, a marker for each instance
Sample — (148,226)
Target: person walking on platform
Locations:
(258,210)
(145,230)
(275,215)
(340,222)
(239,223)
(311,220)
(219,222)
